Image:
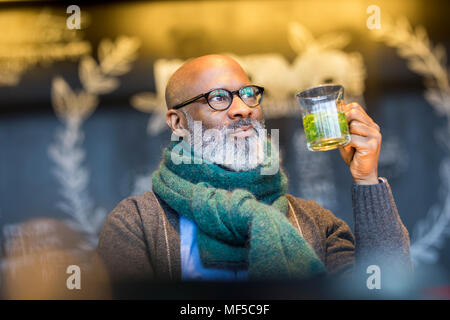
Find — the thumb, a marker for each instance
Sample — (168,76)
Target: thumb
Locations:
(347,153)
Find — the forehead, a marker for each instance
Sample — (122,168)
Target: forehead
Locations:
(214,77)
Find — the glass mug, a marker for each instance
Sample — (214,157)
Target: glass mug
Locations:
(324,121)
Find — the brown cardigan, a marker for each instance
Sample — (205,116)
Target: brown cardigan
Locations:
(141,236)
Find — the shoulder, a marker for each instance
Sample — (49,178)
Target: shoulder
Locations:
(123,243)
(131,211)
(136,205)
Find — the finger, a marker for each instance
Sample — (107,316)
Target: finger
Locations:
(354,111)
(347,152)
(353,105)
(362,129)
(361,143)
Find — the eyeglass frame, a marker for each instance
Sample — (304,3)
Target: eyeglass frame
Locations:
(206,95)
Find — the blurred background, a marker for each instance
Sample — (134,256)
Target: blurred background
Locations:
(82,111)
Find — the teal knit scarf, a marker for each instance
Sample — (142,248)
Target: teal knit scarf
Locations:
(241,218)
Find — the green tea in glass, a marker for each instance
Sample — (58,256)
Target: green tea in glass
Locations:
(323,116)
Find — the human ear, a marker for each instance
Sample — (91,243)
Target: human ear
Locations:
(176,120)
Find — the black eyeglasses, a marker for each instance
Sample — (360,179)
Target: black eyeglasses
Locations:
(221,99)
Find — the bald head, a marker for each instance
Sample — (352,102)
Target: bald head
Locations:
(202,74)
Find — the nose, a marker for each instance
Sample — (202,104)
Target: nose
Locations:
(239,109)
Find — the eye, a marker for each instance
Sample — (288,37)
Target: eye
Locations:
(218,96)
(247,92)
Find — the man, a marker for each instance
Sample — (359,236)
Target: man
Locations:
(225,220)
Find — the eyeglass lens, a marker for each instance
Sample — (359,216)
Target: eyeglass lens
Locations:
(220,99)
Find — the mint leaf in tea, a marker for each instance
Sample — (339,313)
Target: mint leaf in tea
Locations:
(326,130)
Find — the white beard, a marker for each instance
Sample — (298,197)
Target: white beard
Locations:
(220,147)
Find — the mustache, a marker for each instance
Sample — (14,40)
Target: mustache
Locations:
(245,122)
